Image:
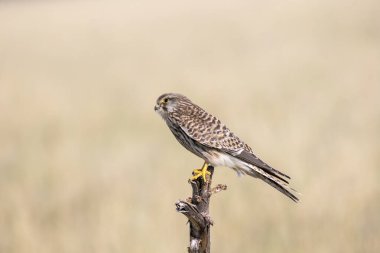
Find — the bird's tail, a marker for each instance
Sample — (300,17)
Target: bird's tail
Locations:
(274,181)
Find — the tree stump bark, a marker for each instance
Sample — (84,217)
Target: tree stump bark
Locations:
(196,209)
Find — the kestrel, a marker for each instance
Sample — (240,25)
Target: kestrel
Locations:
(207,137)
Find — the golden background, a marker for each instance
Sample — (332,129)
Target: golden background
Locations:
(87,166)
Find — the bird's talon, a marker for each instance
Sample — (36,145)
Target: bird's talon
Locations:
(204,173)
(201,173)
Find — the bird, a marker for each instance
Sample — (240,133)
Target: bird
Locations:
(208,138)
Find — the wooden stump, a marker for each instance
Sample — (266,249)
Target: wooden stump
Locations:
(196,209)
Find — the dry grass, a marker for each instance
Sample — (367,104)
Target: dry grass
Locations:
(86,165)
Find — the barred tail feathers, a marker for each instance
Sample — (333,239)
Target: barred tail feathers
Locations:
(276,183)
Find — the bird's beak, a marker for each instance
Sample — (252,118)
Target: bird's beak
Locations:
(156,107)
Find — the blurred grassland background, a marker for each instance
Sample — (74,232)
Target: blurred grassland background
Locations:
(87,166)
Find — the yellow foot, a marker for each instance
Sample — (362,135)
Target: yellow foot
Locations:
(201,173)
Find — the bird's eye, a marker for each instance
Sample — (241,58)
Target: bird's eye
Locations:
(166,100)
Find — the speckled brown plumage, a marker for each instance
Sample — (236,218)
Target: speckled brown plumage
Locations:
(207,137)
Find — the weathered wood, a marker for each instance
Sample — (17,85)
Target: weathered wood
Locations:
(196,209)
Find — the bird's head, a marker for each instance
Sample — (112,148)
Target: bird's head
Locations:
(169,102)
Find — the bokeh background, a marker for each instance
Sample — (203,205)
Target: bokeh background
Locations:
(87,166)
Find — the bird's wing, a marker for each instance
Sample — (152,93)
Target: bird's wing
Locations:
(209,131)
(251,158)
